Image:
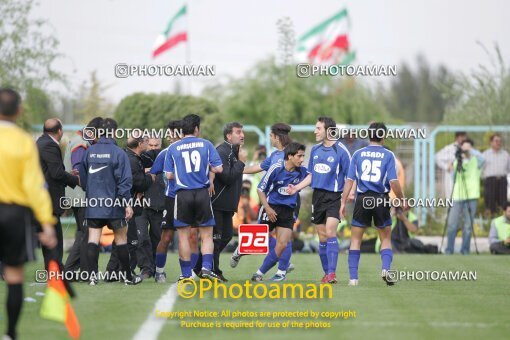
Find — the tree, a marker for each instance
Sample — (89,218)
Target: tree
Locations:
(416,96)
(92,101)
(141,110)
(483,96)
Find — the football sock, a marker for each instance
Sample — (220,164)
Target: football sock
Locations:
(323,256)
(332,254)
(353,260)
(386,258)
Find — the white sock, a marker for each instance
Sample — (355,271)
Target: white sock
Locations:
(281,272)
(259,273)
(160,270)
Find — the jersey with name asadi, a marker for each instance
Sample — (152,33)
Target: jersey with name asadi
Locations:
(189,159)
(276,180)
(373,167)
(328,166)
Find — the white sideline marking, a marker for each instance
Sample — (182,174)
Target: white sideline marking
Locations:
(152,326)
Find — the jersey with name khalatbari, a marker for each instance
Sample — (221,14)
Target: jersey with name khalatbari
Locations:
(373,167)
(328,166)
(157,168)
(276,180)
(274,157)
(189,159)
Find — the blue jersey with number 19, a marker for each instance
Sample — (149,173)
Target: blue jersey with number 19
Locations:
(373,167)
(189,159)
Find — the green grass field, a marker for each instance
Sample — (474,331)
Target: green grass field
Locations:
(410,309)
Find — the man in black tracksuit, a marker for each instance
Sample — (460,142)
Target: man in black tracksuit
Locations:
(227,191)
(141,182)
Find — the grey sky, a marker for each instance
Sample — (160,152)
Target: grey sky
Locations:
(234,35)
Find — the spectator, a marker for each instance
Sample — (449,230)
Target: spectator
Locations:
(445,158)
(495,170)
(248,208)
(499,234)
(77,259)
(403,227)
(466,192)
(56,177)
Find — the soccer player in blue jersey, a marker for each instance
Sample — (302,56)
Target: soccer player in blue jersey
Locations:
(329,163)
(279,138)
(279,206)
(188,161)
(373,169)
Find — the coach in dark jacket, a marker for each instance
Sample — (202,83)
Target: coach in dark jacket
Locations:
(227,191)
(56,177)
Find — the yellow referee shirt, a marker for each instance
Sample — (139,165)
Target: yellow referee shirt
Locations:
(21,179)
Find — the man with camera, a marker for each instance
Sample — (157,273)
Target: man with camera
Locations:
(466,192)
(445,158)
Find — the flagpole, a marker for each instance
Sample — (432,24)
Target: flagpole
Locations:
(188,49)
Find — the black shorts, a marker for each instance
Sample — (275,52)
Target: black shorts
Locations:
(168,214)
(113,224)
(16,235)
(325,204)
(365,213)
(285,217)
(193,208)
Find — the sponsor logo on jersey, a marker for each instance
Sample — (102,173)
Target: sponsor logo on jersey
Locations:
(322,168)
(283,191)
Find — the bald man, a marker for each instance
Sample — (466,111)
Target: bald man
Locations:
(56,178)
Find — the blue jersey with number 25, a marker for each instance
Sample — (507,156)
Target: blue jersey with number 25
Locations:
(373,167)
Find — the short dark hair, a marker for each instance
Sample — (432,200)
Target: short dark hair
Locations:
(375,131)
(282,131)
(10,101)
(470,141)
(460,133)
(246,181)
(293,148)
(494,136)
(327,121)
(95,122)
(189,123)
(133,143)
(108,126)
(229,127)
(175,124)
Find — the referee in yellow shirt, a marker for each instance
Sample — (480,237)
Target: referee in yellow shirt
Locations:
(22,197)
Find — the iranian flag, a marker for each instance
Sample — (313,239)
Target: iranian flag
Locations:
(174,33)
(328,42)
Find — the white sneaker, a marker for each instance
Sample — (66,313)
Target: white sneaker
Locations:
(234,259)
(353,283)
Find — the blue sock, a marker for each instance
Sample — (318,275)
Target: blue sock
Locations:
(386,258)
(272,242)
(353,260)
(160,261)
(269,261)
(185,268)
(323,256)
(194,259)
(207,260)
(332,253)
(284,261)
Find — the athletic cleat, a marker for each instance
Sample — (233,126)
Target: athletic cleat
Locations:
(290,268)
(278,277)
(221,277)
(208,274)
(160,277)
(93,282)
(388,281)
(353,283)
(257,278)
(331,278)
(235,258)
(135,279)
(183,278)
(324,278)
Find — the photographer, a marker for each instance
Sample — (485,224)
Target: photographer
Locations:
(466,192)
(247,210)
(445,158)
